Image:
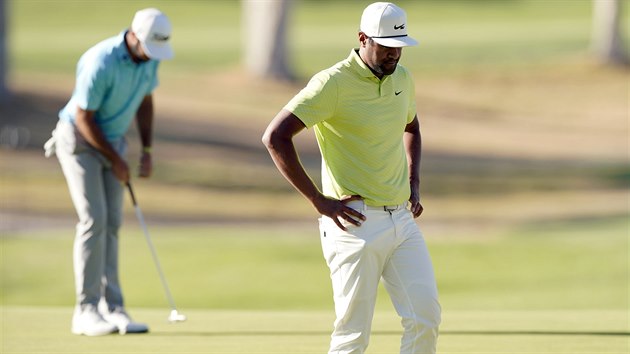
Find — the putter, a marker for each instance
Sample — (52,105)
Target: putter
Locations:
(174,316)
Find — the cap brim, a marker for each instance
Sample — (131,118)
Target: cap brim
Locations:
(396,42)
(161,51)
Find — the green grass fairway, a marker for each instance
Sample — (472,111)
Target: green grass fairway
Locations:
(45,330)
(549,266)
(540,289)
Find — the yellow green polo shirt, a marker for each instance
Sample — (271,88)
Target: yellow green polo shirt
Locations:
(359,123)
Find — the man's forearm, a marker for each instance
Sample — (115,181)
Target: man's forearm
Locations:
(278,139)
(144,118)
(286,159)
(413,147)
(93,135)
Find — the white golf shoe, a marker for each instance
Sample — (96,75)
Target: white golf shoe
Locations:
(121,320)
(89,322)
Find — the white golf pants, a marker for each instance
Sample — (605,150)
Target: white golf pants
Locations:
(97,197)
(388,245)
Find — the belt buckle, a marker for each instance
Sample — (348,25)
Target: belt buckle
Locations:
(390,208)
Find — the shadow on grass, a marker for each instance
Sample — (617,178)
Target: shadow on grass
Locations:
(390,333)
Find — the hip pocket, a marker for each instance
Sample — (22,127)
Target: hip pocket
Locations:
(69,140)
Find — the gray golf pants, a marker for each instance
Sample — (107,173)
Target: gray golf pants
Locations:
(97,197)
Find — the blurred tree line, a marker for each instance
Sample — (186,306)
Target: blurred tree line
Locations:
(267,57)
(265,39)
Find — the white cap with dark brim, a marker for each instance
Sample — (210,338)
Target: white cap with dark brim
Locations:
(386,24)
(153,30)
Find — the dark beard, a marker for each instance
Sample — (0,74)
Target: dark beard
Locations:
(385,71)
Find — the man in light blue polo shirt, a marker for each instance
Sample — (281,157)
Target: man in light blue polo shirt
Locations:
(114,84)
(363,113)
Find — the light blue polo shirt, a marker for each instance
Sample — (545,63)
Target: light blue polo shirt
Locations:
(110,83)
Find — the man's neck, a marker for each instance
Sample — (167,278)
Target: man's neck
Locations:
(361,54)
(128,38)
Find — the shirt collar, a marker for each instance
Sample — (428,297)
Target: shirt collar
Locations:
(122,52)
(358,65)
(121,48)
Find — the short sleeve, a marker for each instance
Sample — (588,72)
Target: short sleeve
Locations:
(91,85)
(316,102)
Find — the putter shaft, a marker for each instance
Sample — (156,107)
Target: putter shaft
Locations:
(156,261)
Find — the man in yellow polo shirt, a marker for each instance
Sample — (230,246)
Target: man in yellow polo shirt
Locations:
(364,116)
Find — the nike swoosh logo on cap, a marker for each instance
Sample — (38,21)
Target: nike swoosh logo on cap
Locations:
(399,27)
(160,37)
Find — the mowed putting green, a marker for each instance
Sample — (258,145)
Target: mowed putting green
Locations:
(553,288)
(45,330)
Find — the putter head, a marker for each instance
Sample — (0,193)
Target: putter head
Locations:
(176,317)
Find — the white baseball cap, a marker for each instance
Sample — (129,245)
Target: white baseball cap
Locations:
(386,24)
(153,30)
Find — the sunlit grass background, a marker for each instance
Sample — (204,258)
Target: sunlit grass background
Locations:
(454,35)
(525,182)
